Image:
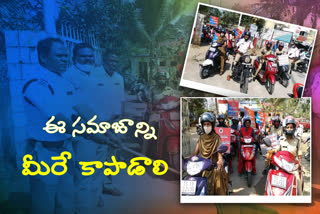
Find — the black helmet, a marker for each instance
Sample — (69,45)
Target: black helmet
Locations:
(207,117)
(245,119)
(235,120)
(221,116)
(223,30)
(247,33)
(287,121)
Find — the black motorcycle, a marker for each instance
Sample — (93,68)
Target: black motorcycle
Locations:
(241,72)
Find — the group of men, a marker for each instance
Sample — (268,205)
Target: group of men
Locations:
(245,44)
(84,90)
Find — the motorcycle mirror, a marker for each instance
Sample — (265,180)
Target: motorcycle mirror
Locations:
(267,142)
(222,148)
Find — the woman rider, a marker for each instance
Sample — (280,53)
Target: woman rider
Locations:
(290,143)
(206,147)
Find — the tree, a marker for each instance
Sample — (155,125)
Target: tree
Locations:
(197,105)
(246,22)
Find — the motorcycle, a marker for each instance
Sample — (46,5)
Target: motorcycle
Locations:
(302,67)
(297,91)
(280,180)
(268,71)
(283,68)
(241,73)
(234,135)
(211,62)
(194,183)
(248,156)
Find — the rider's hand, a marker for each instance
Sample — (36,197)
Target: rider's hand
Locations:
(219,164)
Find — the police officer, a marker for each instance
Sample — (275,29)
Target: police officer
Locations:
(47,94)
(223,41)
(280,50)
(290,143)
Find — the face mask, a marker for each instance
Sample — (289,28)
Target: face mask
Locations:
(84,67)
(290,133)
(207,129)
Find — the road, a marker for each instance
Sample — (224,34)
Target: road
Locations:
(196,56)
(239,184)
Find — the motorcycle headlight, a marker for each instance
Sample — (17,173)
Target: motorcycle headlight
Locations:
(247,59)
(194,168)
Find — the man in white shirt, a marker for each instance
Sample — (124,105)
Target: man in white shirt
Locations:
(243,46)
(294,55)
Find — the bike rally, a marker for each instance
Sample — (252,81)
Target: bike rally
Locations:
(247,54)
(245,147)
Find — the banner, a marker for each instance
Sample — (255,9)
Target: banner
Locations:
(261,118)
(273,139)
(250,113)
(233,108)
(224,134)
(214,21)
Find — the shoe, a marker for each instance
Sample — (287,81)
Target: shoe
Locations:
(110,189)
(254,78)
(254,173)
(221,72)
(240,174)
(265,171)
(260,153)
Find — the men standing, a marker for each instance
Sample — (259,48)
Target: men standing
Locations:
(47,94)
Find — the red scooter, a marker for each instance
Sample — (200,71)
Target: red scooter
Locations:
(248,149)
(280,180)
(267,72)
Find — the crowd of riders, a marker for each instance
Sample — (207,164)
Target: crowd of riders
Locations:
(209,140)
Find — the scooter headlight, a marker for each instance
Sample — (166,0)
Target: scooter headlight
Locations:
(287,166)
(194,168)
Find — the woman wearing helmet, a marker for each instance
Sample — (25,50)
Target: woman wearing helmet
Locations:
(264,53)
(221,121)
(246,130)
(207,145)
(290,143)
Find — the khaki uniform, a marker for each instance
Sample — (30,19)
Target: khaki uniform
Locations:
(294,147)
(278,131)
(278,52)
(222,53)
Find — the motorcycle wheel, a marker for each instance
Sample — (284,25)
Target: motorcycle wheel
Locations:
(269,86)
(204,72)
(244,86)
(285,83)
(249,179)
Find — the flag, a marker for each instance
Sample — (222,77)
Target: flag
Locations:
(250,113)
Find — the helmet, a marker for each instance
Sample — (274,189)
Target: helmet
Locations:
(221,116)
(287,121)
(245,119)
(207,117)
(235,118)
(269,43)
(223,30)
(276,119)
(281,45)
(247,33)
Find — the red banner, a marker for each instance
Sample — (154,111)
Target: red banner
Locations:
(250,113)
(224,134)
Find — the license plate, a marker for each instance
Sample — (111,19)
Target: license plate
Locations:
(188,187)
(279,181)
(274,64)
(212,49)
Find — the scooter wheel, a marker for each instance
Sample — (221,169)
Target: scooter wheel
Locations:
(204,73)
(249,179)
